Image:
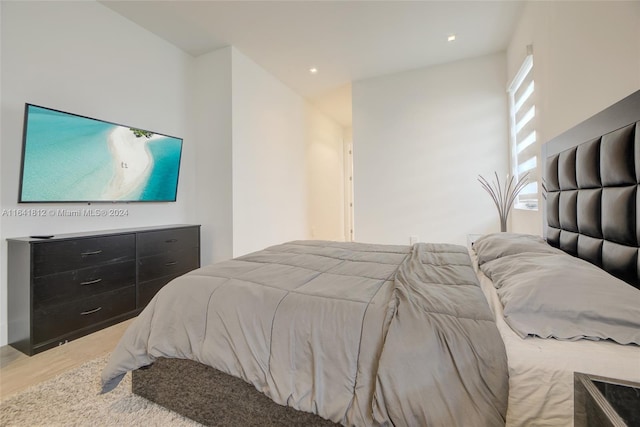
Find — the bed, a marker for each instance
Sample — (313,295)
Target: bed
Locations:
(360,334)
(572,313)
(592,229)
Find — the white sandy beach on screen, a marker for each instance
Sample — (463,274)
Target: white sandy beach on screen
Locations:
(133,163)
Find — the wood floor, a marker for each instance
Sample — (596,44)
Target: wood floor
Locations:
(19,371)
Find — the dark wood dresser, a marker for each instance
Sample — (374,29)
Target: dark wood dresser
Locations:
(70,285)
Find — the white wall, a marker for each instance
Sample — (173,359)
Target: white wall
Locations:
(280,143)
(212,120)
(586,57)
(83,58)
(420,140)
(269,170)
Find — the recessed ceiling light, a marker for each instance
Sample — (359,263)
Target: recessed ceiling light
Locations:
(451,38)
(313,70)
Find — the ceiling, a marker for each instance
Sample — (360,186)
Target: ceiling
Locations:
(345,40)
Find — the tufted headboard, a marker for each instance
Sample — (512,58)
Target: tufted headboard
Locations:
(592,179)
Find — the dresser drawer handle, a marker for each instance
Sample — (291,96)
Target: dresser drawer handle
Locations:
(91,282)
(171,241)
(91,253)
(95,310)
(169,264)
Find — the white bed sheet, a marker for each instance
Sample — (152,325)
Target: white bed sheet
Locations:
(541,370)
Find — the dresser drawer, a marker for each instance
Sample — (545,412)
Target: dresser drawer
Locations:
(56,321)
(178,239)
(167,264)
(147,290)
(78,284)
(58,256)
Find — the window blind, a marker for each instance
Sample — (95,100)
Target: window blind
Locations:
(524,147)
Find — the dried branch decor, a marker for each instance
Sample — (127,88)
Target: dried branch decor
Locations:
(503,196)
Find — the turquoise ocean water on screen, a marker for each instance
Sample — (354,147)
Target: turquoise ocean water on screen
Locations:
(67,158)
(161,185)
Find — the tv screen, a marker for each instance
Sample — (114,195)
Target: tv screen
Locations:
(71,158)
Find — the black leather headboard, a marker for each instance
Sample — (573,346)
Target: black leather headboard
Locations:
(592,178)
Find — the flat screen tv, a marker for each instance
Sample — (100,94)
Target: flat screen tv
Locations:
(71,158)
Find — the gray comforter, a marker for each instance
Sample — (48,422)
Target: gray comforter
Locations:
(359,334)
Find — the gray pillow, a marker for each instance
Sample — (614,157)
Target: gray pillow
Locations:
(554,295)
(492,246)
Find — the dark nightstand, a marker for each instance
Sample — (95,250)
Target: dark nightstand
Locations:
(602,402)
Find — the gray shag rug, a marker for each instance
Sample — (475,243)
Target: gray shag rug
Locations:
(73,399)
(214,398)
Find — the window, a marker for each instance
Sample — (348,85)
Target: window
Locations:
(524,150)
